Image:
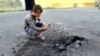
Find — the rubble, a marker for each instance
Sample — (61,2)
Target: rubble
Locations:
(58,43)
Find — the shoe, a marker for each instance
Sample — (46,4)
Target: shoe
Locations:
(42,37)
(32,38)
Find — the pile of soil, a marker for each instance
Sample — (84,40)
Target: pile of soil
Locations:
(45,48)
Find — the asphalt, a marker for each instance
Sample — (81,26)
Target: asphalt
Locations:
(77,21)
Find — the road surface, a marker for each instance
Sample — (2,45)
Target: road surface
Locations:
(78,21)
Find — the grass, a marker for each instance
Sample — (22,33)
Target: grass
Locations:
(10,9)
(10,6)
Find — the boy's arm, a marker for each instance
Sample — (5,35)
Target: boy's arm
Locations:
(33,25)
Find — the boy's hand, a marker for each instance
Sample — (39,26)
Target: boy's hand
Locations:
(45,26)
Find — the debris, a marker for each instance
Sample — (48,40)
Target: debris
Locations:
(57,43)
(3,54)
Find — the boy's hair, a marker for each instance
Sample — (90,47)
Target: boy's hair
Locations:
(36,8)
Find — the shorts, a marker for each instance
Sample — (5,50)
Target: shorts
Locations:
(30,31)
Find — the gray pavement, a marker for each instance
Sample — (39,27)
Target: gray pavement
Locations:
(78,21)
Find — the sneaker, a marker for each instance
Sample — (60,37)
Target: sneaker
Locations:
(41,37)
(32,38)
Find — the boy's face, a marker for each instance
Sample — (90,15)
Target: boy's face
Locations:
(37,14)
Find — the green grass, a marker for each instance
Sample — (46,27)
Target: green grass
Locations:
(10,9)
(10,6)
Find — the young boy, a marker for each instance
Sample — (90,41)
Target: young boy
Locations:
(33,25)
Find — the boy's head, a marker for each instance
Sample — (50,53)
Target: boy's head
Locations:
(37,10)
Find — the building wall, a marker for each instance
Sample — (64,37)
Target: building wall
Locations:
(66,3)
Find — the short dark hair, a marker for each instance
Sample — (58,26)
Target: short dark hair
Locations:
(36,8)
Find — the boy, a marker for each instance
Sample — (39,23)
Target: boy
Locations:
(33,25)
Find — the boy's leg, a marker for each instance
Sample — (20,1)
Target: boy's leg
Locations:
(31,33)
(40,35)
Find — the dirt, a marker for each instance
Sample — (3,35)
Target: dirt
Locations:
(45,48)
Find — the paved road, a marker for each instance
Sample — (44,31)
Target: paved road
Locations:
(83,22)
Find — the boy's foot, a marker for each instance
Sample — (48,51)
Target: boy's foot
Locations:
(32,38)
(41,38)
